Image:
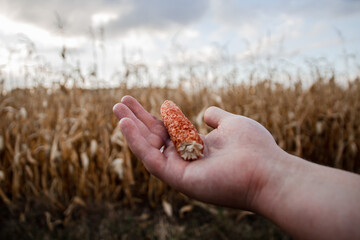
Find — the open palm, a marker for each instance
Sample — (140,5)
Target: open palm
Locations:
(235,162)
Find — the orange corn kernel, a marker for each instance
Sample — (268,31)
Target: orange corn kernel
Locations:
(182,133)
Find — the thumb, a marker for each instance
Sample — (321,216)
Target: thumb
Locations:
(214,115)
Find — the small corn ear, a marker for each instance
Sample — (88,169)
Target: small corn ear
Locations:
(182,132)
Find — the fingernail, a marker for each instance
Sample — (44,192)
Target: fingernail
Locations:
(123,98)
(114,107)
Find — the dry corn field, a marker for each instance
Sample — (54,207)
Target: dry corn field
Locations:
(63,145)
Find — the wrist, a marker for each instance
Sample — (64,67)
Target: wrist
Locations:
(310,201)
(282,174)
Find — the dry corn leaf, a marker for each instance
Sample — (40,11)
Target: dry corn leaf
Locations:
(48,221)
(2,145)
(185,209)
(167,208)
(2,175)
(243,214)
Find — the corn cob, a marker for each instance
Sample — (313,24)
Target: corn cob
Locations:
(182,133)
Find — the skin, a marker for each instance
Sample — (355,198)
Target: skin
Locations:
(244,168)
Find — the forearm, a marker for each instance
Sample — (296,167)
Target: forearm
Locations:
(311,201)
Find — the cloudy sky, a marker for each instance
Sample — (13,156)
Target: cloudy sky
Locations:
(159,32)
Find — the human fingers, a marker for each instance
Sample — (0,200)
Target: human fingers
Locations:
(214,115)
(167,166)
(153,123)
(152,158)
(121,111)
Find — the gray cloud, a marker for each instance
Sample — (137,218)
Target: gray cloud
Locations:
(239,12)
(160,14)
(76,15)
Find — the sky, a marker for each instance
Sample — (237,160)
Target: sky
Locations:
(159,33)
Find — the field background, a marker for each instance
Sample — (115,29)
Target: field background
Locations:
(67,172)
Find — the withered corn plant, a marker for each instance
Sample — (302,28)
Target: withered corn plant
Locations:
(64,144)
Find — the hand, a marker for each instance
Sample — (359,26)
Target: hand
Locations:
(236,162)
(243,168)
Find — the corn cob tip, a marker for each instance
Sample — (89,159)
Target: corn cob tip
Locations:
(191,151)
(182,133)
